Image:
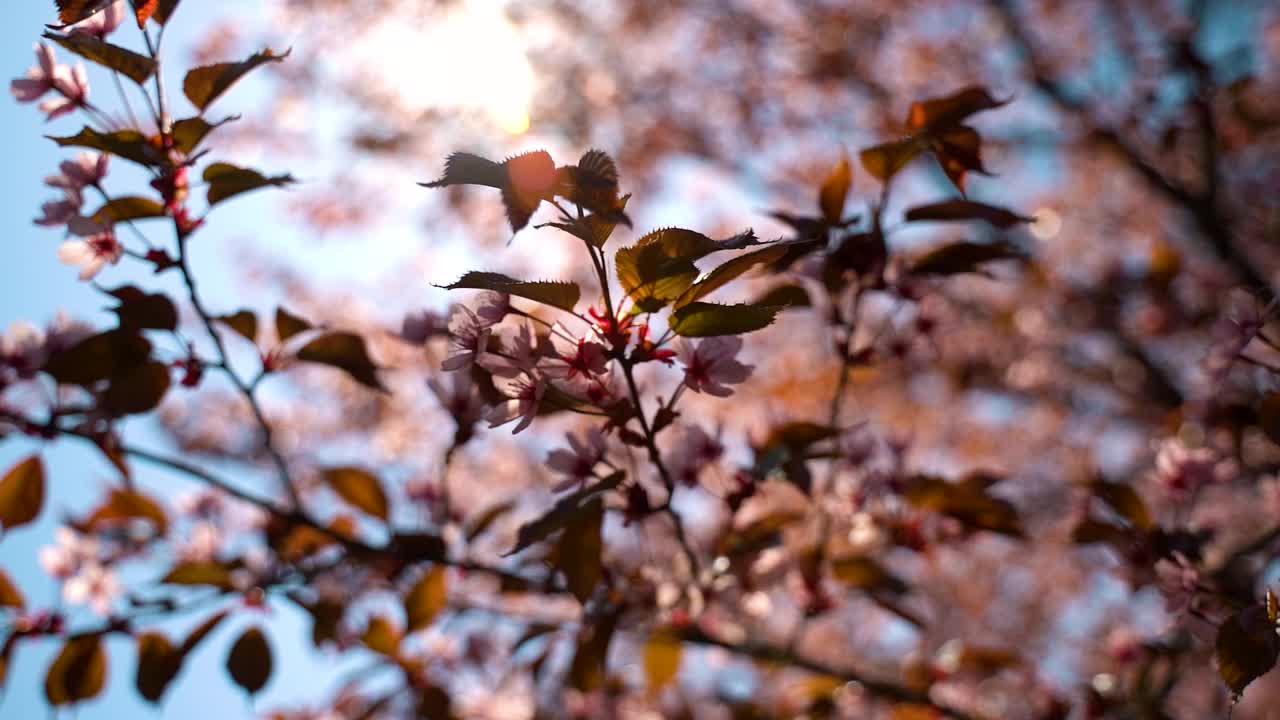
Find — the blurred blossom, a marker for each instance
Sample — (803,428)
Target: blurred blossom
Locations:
(695,450)
(1244,318)
(1182,471)
(70,552)
(493,307)
(467,339)
(94,585)
(73,85)
(711,365)
(203,542)
(92,253)
(65,331)
(579,461)
(419,327)
(40,77)
(1123,644)
(458,396)
(88,168)
(23,349)
(56,213)
(1179,582)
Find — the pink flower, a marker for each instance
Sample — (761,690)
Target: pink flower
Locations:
(711,365)
(459,398)
(521,356)
(524,394)
(64,332)
(91,253)
(1179,581)
(93,585)
(1181,471)
(493,307)
(104,22)
(88,168)
(575,357)
(203,544)
(73,85)
(39,79)
(61,212)
(70,551)
(696,450)
(467,339)
(419,327)
(579,461)
(23,349)
(1244,318)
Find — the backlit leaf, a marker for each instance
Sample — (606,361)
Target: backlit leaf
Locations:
(730,271)
(1124,499)
(579,551)
(952,109)
(662,653)
(967,502)
(885,160)
(589,669)
(201,572)
(99,357)
(227,181)
(834,191)
(188,133)
(359,488)
(125,505)
(137,68)
(205,84)
(137,390)
(73,11)
(249,661)
(288,324)
(123,209)
(560,294)
(700,319)
(563,512)
(345,351)
(21,493)
(428,596)
(244,322)
(785,296)
(202,631)
(78,673)
(1246,648)
(10,595)
(865,573)
(963,257)
(128,144)
(381,636)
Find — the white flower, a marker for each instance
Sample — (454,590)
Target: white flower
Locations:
(711,365)
(524,396)
(579,461)
(458,397)
(575,356)
(419,327)
(520,357)
(695,451)
(93,585)
(91,253)
(467,339)
(70,551)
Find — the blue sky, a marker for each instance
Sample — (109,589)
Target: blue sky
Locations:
(34,286)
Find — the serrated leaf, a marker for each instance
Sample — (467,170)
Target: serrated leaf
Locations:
(562,512)
(960,210)
(22,493)
(158,664)
(359,488)
(188,133)
(785,296)
(662,654)
(885,160)
(730,271)
(578,554)
(124,209)
(128,144)
(244,322)
(132,65)
(78,673)
(201,572)
(345,351)
(227,181)
(205,84)
(139,310)
(249,661)
(10,595)
(1246,648)
(700,319)
(428,596)
(556,293)
(835,189)
(659,267)
(963,257)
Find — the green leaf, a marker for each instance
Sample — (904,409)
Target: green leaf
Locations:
(729,271)
(345,351)
(1246,648)
(137,68)
(158,664)
(136,390)
(244,322)
(22,493)
(99,357)
(79,672)
(556,293)
(227,181)
(594,228)
(124,209)
(563,512)
(578,554)
(249,661)
(188,133)
(140,310)
(205,84)
(963,257)
(428,596)
(288,324)
(959,210)
(835,189)
(699,319)
(659,267)
(128,144)
(885,160)
(10,595)
(359,488)
(211,573)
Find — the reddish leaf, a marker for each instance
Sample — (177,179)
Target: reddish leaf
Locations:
(952,109)
(158,664)
(10,595)
(359,488)
(1246,647)
(428,596)
(249,661)
(578,554)
(123,505)
(79,672)
(137,68)
(345,351)
(244,322)
(205,84)
(21,493)
(885,160)
(834,191)
(951,210)
(144,9)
